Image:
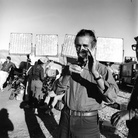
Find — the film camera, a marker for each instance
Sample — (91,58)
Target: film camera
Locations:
(82,57)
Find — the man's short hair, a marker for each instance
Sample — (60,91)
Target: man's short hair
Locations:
(85,32)
(8,57)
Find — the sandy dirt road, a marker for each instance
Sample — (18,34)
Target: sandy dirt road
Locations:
(17,122)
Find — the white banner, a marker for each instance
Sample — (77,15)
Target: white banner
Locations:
(20,43)
(68,48)
(109,49)
(46,45)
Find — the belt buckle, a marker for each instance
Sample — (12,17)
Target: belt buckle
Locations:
(70,112)
(73,113)
(76,113)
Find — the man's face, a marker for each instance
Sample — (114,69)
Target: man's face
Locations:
(84,43)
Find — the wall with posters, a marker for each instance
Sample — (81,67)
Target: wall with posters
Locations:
(108,49)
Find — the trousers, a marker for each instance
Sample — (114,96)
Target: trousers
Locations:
(78,126)
(36,88)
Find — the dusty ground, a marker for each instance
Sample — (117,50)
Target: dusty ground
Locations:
(17,122)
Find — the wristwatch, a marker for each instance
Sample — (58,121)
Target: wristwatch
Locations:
(96,79)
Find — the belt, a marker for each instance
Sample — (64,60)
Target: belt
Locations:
(83,113)
(35,79)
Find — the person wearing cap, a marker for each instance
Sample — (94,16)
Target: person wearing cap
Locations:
(37,76)
(131,114)
(5,70)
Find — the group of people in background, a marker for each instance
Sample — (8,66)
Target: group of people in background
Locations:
(82,87)
(31,78)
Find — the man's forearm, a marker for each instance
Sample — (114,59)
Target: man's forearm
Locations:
(98,78)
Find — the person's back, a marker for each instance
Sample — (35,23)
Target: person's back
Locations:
(37,77)
(36,72)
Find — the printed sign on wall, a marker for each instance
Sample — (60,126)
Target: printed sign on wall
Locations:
(68,48)
(109,49)
(46,45)
(20,43)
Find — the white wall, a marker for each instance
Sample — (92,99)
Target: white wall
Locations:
(109,18)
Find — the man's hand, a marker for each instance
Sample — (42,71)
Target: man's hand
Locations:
(92,57)
(119,116)
(75,69)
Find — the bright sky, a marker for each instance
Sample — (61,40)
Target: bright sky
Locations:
(109,18)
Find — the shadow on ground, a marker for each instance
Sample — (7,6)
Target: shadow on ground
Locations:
(34,129)
(5,123)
